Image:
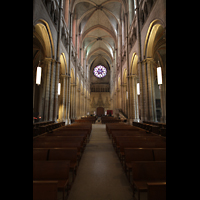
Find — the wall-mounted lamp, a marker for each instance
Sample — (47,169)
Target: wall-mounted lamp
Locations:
(138,88)
(159,74)
(59,86)
(38,74)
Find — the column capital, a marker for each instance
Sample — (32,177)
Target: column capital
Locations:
(47,60)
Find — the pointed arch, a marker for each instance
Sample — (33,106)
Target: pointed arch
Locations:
(43,33)
(134,60)
(150,36)
(63,64)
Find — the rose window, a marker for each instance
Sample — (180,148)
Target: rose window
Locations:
(100,71)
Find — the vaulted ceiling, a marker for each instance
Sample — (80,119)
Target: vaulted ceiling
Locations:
(98,22)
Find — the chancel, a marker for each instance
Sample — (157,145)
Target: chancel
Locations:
(99,89)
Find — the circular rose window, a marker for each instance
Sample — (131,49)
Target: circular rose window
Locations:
(100,71)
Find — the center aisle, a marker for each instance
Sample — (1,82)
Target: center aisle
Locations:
(100,175)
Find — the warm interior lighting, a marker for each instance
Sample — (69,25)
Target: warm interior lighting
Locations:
(38,75)
(138,89)
(127,95)
(159,75)
(59,85)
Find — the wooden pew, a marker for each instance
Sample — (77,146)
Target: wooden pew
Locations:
(147,171)
(65,154)
(92,121)
(156,191)
(139,144)
(122,127)
(84,134)
(45,190)
(136,154)
(59,144)
(142,154)
(52,170)
(40,153)
(159,154)
(62,138)
(117,139)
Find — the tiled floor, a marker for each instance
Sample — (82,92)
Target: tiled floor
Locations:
(100,175)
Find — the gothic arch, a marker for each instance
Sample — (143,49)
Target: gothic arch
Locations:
(156,26)
(43,33)
(134,61)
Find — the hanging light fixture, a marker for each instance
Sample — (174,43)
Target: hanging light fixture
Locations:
(59,86)
(38,74)
(138,88)
(159,74)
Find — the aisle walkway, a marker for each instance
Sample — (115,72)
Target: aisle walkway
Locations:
(100,175)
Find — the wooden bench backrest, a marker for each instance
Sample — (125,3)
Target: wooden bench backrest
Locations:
(40,153)
(59,138)
(72,133)
(51,170)
(57,144)
(63,154)
(45,190)
(141,144)
(148,170)
(138,155)
(156,191)
(159,154)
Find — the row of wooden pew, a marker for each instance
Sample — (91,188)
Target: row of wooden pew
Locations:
(107,119)
(42,127)
(155,127)
(56,157)
(143,158)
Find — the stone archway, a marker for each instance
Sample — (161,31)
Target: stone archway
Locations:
(100,111)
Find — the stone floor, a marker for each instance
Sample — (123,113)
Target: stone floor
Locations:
(100,175)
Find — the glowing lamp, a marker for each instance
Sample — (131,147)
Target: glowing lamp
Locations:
(138,89)
(159,74)
(38,75)
(59,85)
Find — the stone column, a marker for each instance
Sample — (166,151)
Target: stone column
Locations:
(143,89)
(52,90)
(56,92)
(78,103)
(47,91)
(151,92)
(63,94)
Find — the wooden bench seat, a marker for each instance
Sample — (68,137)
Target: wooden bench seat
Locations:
(45,190)
(92,121)
(73,128)
(40,153)
(139,144)
(142,154)
(62,139)
(65,154)
(59,144)
(156,191)
(144,172)
(52,171)
(159,154)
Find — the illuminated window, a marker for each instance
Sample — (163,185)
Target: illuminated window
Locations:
(100,71)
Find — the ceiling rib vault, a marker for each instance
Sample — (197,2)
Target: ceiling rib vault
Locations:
(98,24)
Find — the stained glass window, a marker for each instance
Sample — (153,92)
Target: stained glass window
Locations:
(100,71)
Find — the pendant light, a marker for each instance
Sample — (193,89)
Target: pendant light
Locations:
(159,74)
(59,86)
(38,74)
(138,88)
